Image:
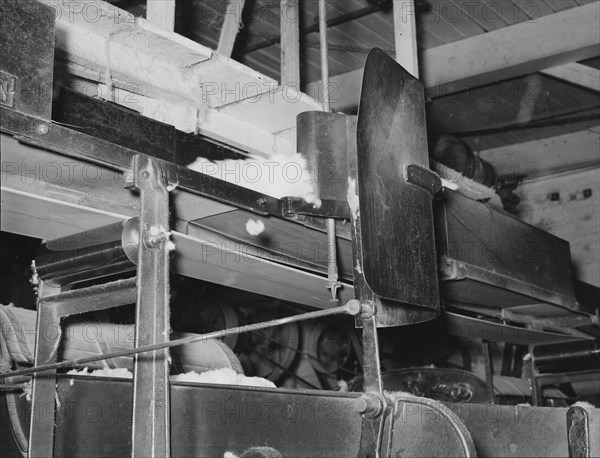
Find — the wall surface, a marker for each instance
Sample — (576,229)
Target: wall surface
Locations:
(568,206)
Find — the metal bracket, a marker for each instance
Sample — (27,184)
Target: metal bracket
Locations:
(8,85)
(374,403)
(424,178)
(578,432)
(328,208)
(51,309)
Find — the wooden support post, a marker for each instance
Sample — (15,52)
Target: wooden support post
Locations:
(161,13)
(231,26)
(290,43)
(405,31)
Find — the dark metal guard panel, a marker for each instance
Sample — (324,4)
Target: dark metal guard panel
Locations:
(27,64)
(482,248)
(399,259)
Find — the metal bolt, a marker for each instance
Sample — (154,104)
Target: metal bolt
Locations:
(146,174)
(156,236)
(367,309)
(42,129)
(369,404)
(354,307)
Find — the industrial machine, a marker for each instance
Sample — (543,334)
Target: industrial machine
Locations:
(144,215)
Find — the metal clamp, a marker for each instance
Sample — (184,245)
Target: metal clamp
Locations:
(424,178)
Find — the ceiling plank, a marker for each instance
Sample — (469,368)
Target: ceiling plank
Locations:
(579,74)
(523,48)
(547,156)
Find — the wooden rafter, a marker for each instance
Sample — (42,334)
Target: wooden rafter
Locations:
(290,42)
(512,51)
(231,27)
(578,74)
(405,31)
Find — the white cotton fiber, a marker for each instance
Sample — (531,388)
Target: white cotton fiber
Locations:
(224,376)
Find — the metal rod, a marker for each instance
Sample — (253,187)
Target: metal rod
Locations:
(341,19)
(324,55)
(332,271)
(353,307)
(333,282)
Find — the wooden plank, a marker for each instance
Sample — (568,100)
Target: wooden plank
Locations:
(161,13)
(231,26)
(203,255)
(405,31)
(244,134)
(44,218)
(290,43)
(516,50)
(51,175)
(548,156)
(579,74)
(519,49)
(283,241)
(274,111)
(175,80)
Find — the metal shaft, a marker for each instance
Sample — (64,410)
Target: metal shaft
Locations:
(332,271)
(324,55)
(353,307)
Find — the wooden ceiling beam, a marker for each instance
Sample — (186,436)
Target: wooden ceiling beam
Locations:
(561,38)
(172,79)
(578,74)
(231,27)
(547,156)
(405,32)
(290,43)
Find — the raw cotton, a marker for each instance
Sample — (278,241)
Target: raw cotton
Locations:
(224,376)
(120,372)
(255,227)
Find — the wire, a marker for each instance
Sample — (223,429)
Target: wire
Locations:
(352,308)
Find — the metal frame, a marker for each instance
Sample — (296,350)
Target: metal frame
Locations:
(150,290)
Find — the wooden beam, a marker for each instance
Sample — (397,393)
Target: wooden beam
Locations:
(405,31)
(231,26)
(512,51)
(548,156)
(172,79)
(290,43)
(579,74)
(161,13)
